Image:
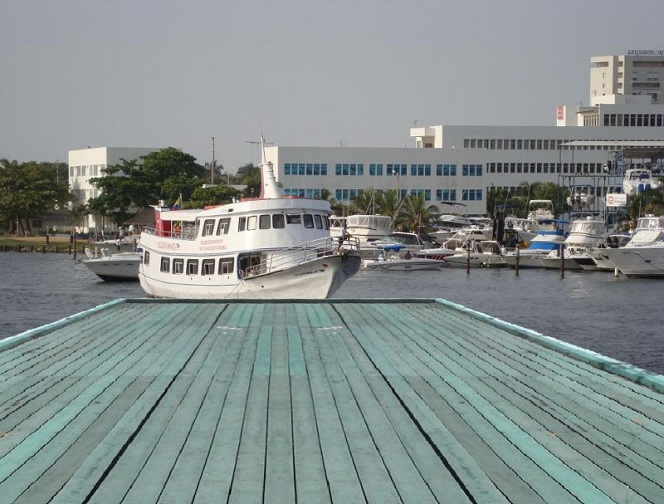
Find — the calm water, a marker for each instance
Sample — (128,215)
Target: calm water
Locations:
(618,317)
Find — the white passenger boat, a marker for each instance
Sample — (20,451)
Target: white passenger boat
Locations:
(270,247)
(116,267)
(643,255)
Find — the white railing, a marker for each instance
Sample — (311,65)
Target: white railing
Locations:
(293,256)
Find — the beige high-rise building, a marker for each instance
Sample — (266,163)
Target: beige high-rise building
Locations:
(637,73)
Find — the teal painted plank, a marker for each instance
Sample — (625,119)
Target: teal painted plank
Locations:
(309,477)
(94,466)
(343,481)
(475,479)
(217,478)
(399,468)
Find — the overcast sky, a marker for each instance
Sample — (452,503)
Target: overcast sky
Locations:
(159,73)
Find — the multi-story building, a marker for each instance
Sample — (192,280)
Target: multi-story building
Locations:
(85,164)
(461,164)
(639,72)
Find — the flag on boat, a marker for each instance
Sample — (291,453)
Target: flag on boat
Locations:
(178,204)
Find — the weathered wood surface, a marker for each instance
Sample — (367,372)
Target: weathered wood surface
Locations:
(319,402)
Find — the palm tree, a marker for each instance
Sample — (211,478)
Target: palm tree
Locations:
(417,214)
(364,202)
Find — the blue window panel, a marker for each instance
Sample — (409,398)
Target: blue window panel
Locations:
(427,194)
(439,170)
(479,170)
(427,170)
(316,169)
(310,169)
(464,170)
(413,170)
(338,195)
(352,193)
(337,169)
(352,169)
(478,194)
(309,193)
(301,169)
(287,169)
(345,170)
(360,169)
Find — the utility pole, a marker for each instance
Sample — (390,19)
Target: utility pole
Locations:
(212,163)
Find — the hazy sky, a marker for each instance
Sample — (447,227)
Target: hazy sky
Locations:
(159,73)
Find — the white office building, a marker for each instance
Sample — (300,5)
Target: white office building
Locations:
(85,164)
(460,164)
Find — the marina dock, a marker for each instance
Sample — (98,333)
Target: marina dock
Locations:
(337,401)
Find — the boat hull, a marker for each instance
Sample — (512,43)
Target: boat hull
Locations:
(402,264)
(646,262)
(315,279)
(114,269)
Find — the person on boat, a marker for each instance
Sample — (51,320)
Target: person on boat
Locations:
(407,255)
(118,243)
(381,256)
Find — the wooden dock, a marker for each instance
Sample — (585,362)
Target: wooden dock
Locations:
(143,401)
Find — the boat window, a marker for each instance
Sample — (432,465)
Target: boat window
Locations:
(293,219)
(146,257)
(308,220)
(319,221)
(192,267)
(207,267)
(225,265)
(326,222)
(208,227)
(241,223)
(165,265)
(223,226)
(264,221)
(178,266)
(251,223)
(278,221)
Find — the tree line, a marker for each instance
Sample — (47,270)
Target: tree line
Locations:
(30,190)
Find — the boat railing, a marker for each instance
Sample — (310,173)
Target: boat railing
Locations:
(292,256)
(185,233)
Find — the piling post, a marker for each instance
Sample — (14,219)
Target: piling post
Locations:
(562,261)
(468,259)
(516,262)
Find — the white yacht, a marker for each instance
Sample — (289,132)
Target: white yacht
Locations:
(270,247)
(478,254)
(643,255)
(639,180)
(585,233)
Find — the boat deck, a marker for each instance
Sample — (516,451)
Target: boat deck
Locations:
(334,401)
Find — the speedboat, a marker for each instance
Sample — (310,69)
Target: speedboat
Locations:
(388,259)
(643,255)
(270,247)
(478,254)
(116,267)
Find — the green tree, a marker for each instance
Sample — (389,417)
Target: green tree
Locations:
(28,190)
(250,176)
(214,195)
(364,202)
(389,204)
(132,185)
(417,214)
